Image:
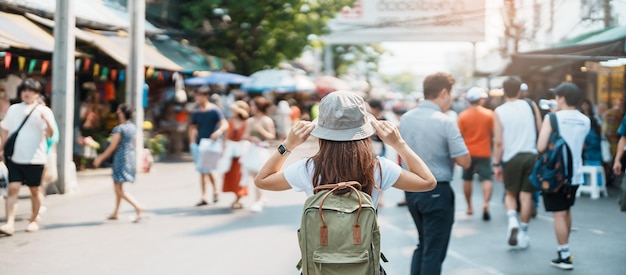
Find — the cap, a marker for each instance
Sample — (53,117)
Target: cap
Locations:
(567,90)
(476,93)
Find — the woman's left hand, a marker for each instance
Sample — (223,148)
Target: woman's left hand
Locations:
(387,132)
(298,134)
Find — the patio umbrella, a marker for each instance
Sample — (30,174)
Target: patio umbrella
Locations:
(217,78)
(282,81)
(326,84)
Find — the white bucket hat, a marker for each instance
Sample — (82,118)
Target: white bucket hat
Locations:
(343,117)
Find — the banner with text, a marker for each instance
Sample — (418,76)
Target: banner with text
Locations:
(370,21)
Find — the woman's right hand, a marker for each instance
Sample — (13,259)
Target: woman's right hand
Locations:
(298,134)
(388,133)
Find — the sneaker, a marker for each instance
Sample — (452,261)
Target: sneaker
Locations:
(512,231)
(202,203)
(523,241)
(567,263)
(32,227)
(7,230)
(257,207)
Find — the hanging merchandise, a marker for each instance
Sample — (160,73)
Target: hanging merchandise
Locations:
(96,69)
(77,65)
(121,78)
(86,65)
(31,65)
(109,91)
(160,76)
(105,73)
(149,72)
(155,74)
(113,75)
(21,60)
(7,60)
(44,66)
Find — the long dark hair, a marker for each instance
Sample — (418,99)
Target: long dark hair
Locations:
(595,126)
(339,161)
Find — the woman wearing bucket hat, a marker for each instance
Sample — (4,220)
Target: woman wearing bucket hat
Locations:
(343,128)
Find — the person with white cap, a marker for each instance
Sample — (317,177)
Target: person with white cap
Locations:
(345,153)
(431,133)
(476,126)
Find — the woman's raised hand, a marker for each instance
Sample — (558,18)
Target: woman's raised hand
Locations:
(388,132)
(298,134)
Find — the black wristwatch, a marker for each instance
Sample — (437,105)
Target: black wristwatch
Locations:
(282,149)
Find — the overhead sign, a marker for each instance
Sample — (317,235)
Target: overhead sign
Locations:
(409,20)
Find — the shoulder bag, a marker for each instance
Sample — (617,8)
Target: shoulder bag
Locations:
(9,146)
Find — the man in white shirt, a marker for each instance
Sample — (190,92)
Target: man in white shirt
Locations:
(515,139)
(29,156)
(573,128)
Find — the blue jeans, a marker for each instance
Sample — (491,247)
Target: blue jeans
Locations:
(433,214)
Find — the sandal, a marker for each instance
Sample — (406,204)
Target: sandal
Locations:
(237,205)
(215,198)
(112,218)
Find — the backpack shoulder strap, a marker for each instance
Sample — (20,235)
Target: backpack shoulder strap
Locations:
(532,111)
(570,165)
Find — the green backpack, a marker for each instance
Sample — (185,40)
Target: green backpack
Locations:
(339,232)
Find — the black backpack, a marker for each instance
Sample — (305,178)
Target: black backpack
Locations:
(553,168)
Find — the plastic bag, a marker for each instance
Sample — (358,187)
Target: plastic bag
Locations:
(209,152)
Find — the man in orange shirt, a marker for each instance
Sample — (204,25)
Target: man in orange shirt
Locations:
(476,126)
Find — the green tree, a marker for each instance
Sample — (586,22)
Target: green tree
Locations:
(346,56)
(406,82)
(257,34)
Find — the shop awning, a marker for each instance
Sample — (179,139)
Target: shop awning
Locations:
(117,46)
(190,58)
(19,32)
(595,46)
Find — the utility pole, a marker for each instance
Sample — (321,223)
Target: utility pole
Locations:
(63,91)
(608,20)
(135,71)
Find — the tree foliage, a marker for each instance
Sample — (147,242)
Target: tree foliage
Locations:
(260,33)
(346,57)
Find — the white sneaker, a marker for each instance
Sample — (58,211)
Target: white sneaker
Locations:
(523,241)
(512,231)
(257,207)
(32,227)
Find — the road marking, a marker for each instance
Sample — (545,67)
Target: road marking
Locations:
(488,269)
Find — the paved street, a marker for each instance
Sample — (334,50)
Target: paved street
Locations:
(178,238)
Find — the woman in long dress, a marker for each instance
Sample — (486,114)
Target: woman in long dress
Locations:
(122,147)
(236,128)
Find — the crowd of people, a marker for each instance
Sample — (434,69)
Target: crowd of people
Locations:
(414,149)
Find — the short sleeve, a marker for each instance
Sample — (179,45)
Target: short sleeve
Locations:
(390,173)
(456,144)
(194,118)
(116,130)
(298,175)
(621,131)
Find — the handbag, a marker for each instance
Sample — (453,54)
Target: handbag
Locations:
(9,146)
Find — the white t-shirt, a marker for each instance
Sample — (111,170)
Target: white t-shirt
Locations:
(30,145)
(299,176)
(519,131)
(574,127)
